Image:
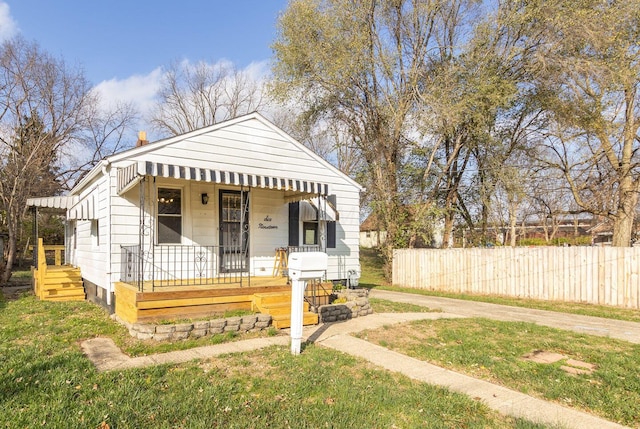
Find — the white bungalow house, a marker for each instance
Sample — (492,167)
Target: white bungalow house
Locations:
(215,205)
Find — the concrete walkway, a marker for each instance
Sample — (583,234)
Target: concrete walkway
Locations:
(106,355)
(622,330)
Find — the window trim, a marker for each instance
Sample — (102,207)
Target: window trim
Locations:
(181,215)
(95,233)
(316,227)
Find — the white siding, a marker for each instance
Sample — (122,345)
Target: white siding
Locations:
(372,239)
(204,222)
(125,225)
(250,146)
(269,229)
(91,254)
(346,255)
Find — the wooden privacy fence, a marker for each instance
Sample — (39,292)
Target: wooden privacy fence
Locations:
(595,275)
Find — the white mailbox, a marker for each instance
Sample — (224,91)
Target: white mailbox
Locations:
(302,266)
(307,265)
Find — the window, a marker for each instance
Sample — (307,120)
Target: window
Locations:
(73,233)
(95,233)
(169,216)
(310,233)
(310,228)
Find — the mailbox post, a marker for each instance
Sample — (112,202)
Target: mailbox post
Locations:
(303,266)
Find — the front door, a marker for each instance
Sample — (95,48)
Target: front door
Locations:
(234,231)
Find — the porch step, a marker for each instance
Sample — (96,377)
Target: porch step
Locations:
(62,284)
(284,320)
(64,276)
(278,309)
(262,300)
(278,305)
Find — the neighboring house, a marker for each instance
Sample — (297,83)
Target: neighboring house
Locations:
(602,233)
(207,207)
(371,235)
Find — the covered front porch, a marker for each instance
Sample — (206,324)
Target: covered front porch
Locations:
(209,241)
(211,299)
(187,282)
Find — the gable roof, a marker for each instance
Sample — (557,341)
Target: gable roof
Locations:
(370,223)
(208,141)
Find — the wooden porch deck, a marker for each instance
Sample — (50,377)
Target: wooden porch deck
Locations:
(187,302)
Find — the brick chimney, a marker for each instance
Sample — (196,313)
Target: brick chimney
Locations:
(142,139)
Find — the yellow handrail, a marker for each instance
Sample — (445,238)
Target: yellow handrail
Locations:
(41,269)
(58,250)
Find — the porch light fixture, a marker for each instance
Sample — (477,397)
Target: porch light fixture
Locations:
(205,199)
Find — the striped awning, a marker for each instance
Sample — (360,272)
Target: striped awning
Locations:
(79,209)
(314,209)
(83,210)
(129,176)
(57,202)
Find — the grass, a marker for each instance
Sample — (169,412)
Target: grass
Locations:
(372,272)
(46,381)
(22,275)
(493,351)
(371,265)
(384,306)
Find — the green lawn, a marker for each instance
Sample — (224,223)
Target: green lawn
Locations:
(494,351)
(45,381)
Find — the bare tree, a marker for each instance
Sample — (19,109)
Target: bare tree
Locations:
(42,109)
(328,139)
(587,67)
(106,131)
(193,96)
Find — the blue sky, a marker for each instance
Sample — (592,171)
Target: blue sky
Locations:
(116,39)
(123,45)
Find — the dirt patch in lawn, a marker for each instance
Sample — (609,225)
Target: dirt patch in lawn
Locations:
(571,366)
(14,292)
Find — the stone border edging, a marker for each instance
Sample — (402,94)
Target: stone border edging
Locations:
(356,305)
(182,331)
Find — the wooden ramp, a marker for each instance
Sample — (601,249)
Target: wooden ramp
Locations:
(59,283)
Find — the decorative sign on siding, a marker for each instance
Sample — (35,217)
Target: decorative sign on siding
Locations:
(266,224)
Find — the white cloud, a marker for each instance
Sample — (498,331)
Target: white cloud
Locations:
(259,71)
(141,90)
(8,27)
(137,89)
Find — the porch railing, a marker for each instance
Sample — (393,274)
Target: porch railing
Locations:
(169,266)
(314,298)
(303,249)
